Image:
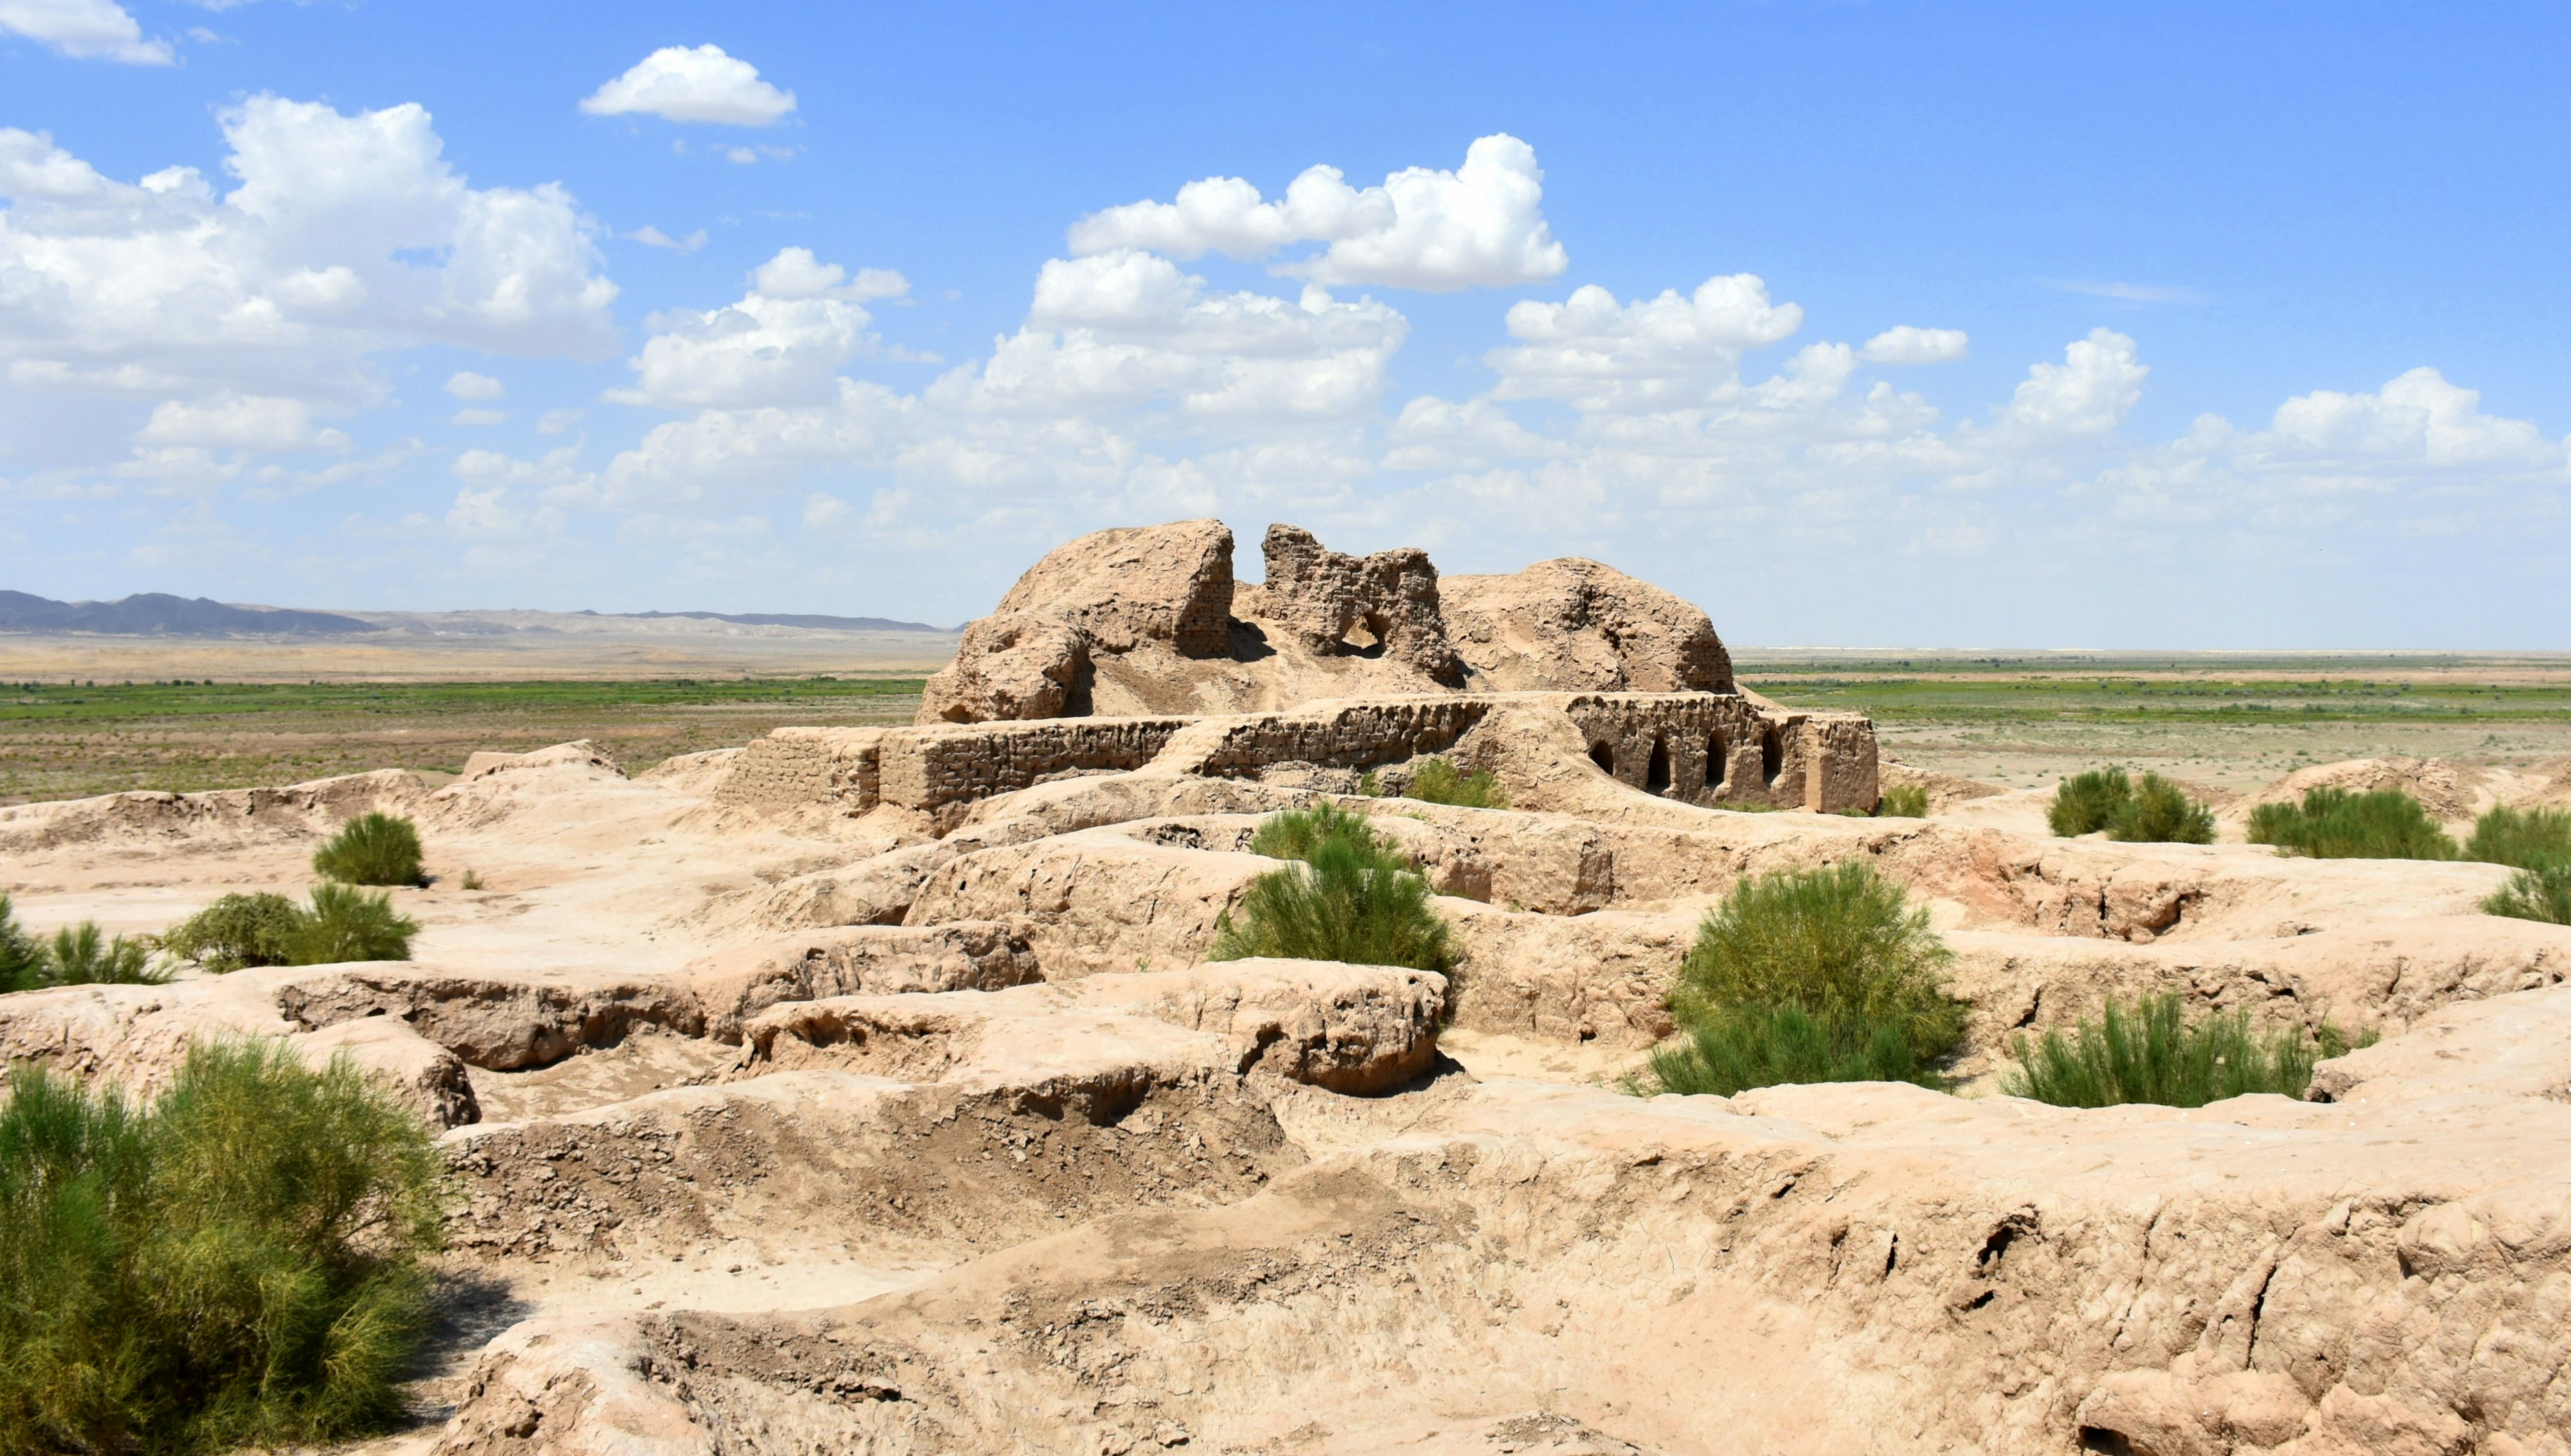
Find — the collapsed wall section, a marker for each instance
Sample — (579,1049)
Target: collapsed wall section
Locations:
(1356,735)
(1712,749)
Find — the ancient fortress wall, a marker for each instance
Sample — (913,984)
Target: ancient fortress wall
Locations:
(933,768)
(807,768)
(1717,748)
(1711,748)
(1566,659)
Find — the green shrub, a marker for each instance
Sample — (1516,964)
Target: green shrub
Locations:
(371,850)
(2541,893)
(1903,802)
(2084,803)
(237,1264)
(2159,813)
(1844,950)
(342,924)
(1437,781)
(22,961)
(79,955)
(1296,833)
(1733,1049)
(348,925)
(1835,941)
(2148,1052)
(2334,823)
(238,931)
(2526,839)
(1346,902)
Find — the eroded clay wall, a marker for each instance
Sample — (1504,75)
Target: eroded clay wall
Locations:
(805,767)
(1717,748)
(1709,748)
(932,768)
(1357,736)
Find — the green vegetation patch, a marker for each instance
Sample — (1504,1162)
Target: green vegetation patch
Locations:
(1844,952)
(2084,803)
(76,955)
(61,740)
(1903,802)
(342,923)
(2153,811)
(2337,824)
(2149,1052)
(2527,838)
(2542,893)
(2049,694)
(1732,1049)
(96,702)
(238,931)
(1438,780)
(239,1263)
(1296,833)
(371,850)
(1351,897)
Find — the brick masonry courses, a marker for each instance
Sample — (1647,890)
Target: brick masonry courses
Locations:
(1707,748)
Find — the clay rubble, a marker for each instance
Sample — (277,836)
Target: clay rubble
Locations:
(857,1091)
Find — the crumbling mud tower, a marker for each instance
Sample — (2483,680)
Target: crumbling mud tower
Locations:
(1136,646)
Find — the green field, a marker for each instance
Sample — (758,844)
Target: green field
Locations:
(2232,721)
(58,741)
(1956,697)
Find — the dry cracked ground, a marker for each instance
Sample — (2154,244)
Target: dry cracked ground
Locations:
(797,1132)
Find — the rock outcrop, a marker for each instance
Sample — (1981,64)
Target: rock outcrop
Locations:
(1381,605)
(1107,593)
(1148,621)
(1573,624)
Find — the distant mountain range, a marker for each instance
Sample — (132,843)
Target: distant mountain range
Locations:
(791,619)
(158,614)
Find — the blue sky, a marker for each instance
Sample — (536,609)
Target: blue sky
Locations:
(2168,325)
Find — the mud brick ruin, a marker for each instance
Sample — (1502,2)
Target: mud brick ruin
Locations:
(872,1089)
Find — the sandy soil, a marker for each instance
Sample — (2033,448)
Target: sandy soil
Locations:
(1006,1168)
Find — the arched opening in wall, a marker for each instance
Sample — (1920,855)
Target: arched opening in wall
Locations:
(1772,755)
(1604,756)
(1365,639)
(1656,779)
(1714,768)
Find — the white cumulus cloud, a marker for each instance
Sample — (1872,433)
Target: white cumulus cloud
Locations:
(2088,394)
(1652,352)
(1124,328)
(782,344)
(2416,422)
(465,384)
(90,29)
(1904,345)
(345,235)
(238,422)
(651,237)
(1482,224)
(795,274)
(692,85)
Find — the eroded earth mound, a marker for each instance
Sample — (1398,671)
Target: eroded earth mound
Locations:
(872,1091)
(1149,619)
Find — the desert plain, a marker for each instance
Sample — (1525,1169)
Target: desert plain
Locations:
(862,1082)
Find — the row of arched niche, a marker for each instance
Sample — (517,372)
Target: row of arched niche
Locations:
(1658,776)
